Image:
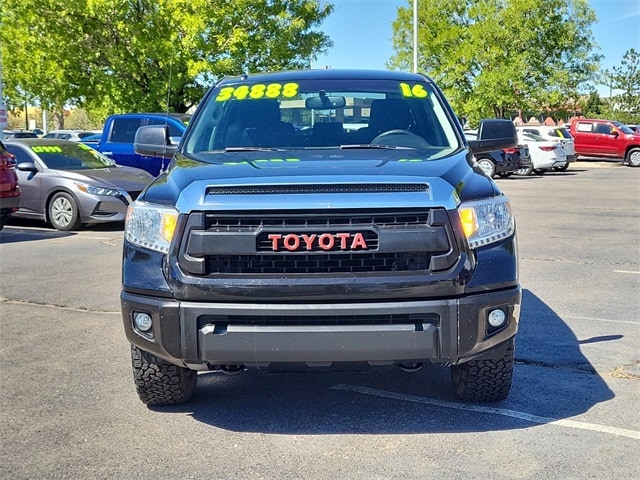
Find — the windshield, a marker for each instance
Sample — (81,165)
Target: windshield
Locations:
(71,156)
(323,114)
(561,132)
(531,137)
(623,128)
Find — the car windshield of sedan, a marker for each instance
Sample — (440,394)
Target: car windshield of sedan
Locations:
(532,137)
(323,114)
(71,156)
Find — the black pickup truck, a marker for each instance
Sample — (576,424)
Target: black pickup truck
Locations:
(317,220)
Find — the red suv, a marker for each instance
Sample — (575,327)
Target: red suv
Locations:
(9,190)
(606,138)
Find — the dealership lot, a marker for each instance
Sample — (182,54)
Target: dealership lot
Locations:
(69,409)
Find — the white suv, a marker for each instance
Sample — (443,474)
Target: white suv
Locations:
(560,134)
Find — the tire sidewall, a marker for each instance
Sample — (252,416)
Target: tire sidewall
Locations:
(75,214)
(633,157)
(488,172)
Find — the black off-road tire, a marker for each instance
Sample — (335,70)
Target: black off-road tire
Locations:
(159,382)
(485,380)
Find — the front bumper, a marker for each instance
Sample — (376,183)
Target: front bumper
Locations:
(102,208)
(205,336)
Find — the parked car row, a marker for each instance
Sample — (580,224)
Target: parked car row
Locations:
(554,148)
(504,162)
(73,135)
(65,180)
(9,134)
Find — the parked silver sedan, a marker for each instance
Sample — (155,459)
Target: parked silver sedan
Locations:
(69,184)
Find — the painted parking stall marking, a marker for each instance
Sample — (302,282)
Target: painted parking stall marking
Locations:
(621,432)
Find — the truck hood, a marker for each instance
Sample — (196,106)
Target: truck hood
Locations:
(326,179)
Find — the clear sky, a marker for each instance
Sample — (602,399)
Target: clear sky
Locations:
(361,32)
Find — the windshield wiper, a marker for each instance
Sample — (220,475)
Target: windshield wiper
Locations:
(368,145)
(252,149)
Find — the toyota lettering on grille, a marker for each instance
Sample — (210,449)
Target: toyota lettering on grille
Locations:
(293,242)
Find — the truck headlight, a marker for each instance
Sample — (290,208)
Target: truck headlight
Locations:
(150,226)
(486,221)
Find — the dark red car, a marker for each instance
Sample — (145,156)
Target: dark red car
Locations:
(9,189)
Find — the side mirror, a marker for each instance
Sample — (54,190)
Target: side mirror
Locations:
(494,134)
(154,141)
(27,167)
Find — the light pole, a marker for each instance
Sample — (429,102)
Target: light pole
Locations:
(3,109)
(415,36)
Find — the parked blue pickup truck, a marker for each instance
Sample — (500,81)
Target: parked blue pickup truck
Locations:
(119,131)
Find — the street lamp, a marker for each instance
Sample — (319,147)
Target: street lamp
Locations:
(415,36)
(3,109)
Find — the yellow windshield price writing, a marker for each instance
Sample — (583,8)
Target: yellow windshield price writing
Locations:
(46,149)
(257,91)
(417,90)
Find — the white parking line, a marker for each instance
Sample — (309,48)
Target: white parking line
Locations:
(97,238)
(621,432)
(595,319)
(626,271)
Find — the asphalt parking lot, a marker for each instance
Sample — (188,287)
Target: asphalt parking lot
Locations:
(69,409)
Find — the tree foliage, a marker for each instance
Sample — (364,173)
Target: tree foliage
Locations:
(626,78)
(496,56)
(148,55)
(593,105)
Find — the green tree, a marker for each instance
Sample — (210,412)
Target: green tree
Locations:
(492,57)
(626,77)
(593,106)
(35,65)
(149,55)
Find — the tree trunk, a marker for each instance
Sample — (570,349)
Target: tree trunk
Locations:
(58,119)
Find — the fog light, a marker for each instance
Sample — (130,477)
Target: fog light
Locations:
(497,318)
(142,321)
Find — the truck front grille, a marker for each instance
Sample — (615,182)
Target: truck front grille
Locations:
(295,243)
(316,263)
